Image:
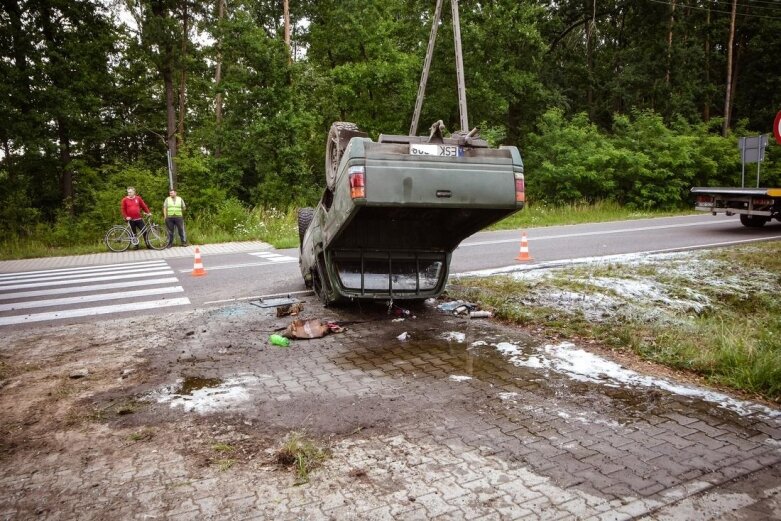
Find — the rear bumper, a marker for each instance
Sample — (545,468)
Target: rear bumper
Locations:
(384,275)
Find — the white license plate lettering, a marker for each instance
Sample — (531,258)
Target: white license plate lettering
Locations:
(417,149)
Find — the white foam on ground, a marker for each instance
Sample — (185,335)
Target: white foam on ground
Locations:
(229,394)
(460,378)
(453,336)
(582,366)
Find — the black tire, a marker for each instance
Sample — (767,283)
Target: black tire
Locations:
(753,221)
(338,137)
(305,216)
(318,288)
(117,238)
(156,237)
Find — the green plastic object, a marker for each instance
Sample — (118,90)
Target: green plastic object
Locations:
(279,340)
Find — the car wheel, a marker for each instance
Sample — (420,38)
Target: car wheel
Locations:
(753,221)
(305,216)
(338,137)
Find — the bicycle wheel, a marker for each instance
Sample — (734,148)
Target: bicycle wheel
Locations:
(156,237)
(117,238)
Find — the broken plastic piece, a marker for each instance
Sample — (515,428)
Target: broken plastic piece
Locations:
(450,306)
(279,340)
(403,337)
(274,302)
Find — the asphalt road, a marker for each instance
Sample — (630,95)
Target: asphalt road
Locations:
(235,277)
(159,286)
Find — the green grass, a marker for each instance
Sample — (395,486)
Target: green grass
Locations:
(540,215)
(735,342)
(301,454)
(279,227)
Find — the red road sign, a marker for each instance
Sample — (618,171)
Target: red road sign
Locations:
(777,128)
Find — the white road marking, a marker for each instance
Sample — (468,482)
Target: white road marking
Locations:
(603,232)
(89,279)
(84,268)
(274,257)
(305,292)
(66,276)
(90,298)
(244,265)
(102,310)
(84,289)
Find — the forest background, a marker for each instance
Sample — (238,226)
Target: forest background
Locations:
(627,101)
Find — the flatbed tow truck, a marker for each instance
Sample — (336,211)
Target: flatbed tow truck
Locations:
(756,206)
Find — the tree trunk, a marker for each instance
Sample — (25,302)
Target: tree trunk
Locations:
(218,81)
(66,175)
(166,68)
(183,82)
(589,64)
(9,161)
(670,42)
(728,95)
(706,106)
(63,136)
(170,109)
(286,9)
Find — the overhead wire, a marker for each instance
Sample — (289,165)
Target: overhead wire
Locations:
(702,8)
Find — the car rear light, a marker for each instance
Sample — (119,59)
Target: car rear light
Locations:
(520,194)
(762,202)
(357,176)
(704,199)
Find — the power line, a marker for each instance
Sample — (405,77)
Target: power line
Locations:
(747,15)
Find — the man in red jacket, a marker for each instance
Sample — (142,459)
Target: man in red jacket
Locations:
(131,208)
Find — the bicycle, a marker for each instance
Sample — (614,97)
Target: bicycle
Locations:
(120,238)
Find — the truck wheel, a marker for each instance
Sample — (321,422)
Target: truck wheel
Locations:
(338,138)
(753,221)
(318,288)
(305,216)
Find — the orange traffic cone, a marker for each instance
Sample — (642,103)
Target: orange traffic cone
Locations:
(524,253)
(198,270)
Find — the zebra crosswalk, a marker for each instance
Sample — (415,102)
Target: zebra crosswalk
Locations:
(57,294)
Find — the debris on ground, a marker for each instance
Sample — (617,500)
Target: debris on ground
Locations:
(290,309)
(456,307)
(307,329)
(403,337)
(279,340)
(400,312)
(480,314)
(334,327)
(275,302)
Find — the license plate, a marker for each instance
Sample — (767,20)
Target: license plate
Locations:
(427,149)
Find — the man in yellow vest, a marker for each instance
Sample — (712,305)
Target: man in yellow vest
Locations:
(173,210)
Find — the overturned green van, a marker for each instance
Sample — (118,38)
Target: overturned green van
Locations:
(394,210)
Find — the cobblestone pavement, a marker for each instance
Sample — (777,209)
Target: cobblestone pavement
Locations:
(182,417)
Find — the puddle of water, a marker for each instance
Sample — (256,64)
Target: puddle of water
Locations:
(472,355)
(193,383)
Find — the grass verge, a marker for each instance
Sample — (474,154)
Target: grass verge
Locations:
(233,222)
(540,215)
(715,314)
